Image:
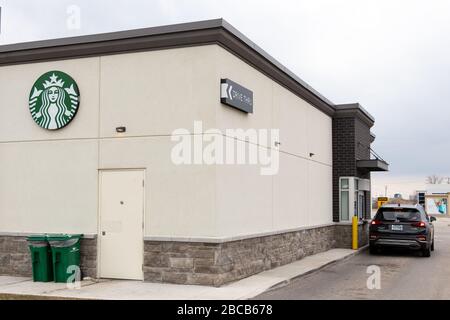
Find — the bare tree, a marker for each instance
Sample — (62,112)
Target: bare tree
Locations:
(434,179)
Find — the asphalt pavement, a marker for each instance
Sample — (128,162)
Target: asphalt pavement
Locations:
(403,275)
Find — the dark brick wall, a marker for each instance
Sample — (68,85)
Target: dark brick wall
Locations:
(344,159)
(363,140)
(351,138)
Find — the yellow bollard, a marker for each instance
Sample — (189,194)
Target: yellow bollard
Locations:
(355,233)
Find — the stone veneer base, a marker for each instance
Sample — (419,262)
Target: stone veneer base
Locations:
(215,264)
(15,257)
(201,263)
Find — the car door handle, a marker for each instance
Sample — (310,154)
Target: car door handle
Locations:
(103,233)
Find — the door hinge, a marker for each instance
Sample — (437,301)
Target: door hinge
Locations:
(143,183)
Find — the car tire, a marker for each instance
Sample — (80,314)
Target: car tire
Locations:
(373,250)
(432,246)
(426,252)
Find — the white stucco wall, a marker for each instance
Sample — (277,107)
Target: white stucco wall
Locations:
(16,81)
(152,94)
(301,193)
(49,180)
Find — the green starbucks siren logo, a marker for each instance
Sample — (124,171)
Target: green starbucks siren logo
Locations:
(54,100)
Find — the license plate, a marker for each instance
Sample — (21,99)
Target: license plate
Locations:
(396,227)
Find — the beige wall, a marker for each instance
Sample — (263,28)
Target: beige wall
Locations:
(48,186)
(16,82)
(179,199)
(301,193)
(49,180)
(153,93)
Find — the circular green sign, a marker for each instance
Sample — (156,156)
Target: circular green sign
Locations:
(54,100)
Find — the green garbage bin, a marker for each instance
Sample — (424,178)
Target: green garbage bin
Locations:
(41,258)
(65,256)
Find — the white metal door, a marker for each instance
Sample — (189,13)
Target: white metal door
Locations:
(121,224)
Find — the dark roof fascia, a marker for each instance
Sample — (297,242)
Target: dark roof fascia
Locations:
(178,35)
(354,110)
(372,165)
(216,31)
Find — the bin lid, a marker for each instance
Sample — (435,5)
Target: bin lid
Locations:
(63,237)
(37,238)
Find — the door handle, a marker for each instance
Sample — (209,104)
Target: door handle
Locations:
(103,233)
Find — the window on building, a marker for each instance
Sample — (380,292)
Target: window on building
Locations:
(352,197)
(344,199)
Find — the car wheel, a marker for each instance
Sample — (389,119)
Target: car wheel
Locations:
(373,250)
(432,246)
(426,252)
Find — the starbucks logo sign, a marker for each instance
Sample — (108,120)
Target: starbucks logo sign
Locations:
(54,100)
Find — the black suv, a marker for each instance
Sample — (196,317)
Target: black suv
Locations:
(406,226)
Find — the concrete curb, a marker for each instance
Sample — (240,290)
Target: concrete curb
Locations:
(284,283)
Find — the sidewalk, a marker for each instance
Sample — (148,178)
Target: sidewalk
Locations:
(138,290)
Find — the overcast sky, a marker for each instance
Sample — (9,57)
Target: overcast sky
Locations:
(393,57)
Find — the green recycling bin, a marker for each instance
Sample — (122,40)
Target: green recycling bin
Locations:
(65,256)
(41,258)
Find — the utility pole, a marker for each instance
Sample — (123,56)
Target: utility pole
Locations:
(385,190)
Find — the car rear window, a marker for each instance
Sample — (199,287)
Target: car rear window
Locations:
(400,214)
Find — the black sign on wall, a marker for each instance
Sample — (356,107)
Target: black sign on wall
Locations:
(236,96)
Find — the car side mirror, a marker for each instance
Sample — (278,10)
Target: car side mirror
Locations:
(432,219)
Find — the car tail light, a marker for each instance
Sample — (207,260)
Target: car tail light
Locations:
(375,222)
(420,224)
